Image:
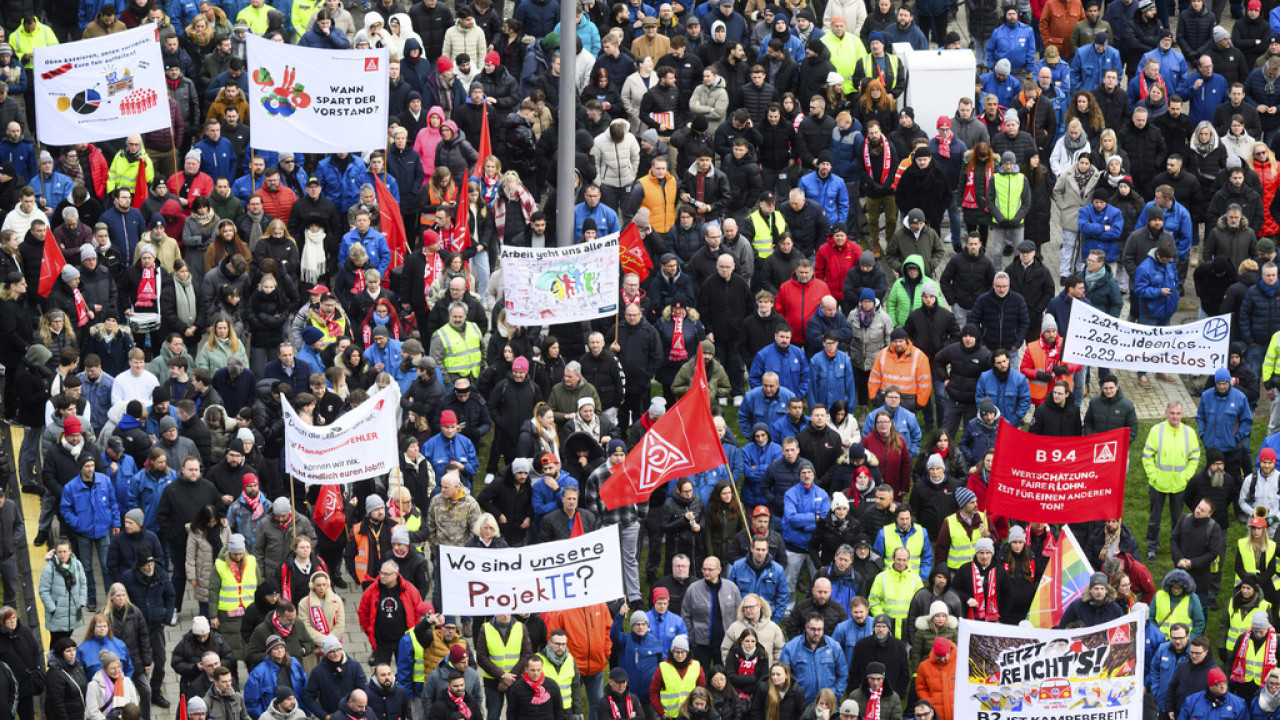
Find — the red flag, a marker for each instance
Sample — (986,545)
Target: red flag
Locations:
(682,442)
(182,699)
(485,147)
(329,517)
(140,191)
(392,224)
(460,235)
(50,265)
(635,259)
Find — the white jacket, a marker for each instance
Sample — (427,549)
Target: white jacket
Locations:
(617,163)
(96,696)
(854,12)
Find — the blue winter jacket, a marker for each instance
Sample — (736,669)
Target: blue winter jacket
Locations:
(331,179)
(666,627)
(769,583)
(926,555)
(1006,91)
(1149,285)
(1015,43)
(374,242)
(756,408)
(144,493)
(1173,68)
(260,687)
(783,428)
(639,656)
(756,459)
(831,378)
(1177,222)
(1088,66)
(357,176)
(440,451)
(545,499)
(904,422)
(802,506)
(126,468)
(816,668)
(22,154)
(1160,671)
(91,510)
(844,152)
(831,194)
(89,10)
(978,439)
(181,13)
(848,633)
(1259,315)
(1202,706)
(791,366)
(55,188)
(1205,99)
(606,218)
(538,16)
(589,34)
(1093,232)
(1224,421)
(246,185)
(1012,397)
(90,649)
(706,481)
(335,40)
(218,159)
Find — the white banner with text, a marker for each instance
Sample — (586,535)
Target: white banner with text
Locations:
(361,444)
(1095,338)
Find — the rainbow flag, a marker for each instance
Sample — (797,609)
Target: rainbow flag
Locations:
(1065,580)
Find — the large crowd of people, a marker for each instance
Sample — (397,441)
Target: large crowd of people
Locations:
(869,289)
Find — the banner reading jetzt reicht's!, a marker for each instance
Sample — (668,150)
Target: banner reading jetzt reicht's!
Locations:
(320,101)
(100,89)
(1007,672)
(559,575)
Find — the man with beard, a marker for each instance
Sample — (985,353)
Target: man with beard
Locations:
(925,602)
(1096,608)
(1224,422)
(456,702)
(228,475)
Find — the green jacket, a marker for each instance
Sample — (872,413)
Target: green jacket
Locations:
(901,300)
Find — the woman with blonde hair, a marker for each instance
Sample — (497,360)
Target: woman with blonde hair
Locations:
(698,705)
(755,615)
(221,344)
(56,333)
(538,435)
(10,256)
(485,533)
(783,699)
(490,178)
(512,209)
(277,244)
(1070,146)
(1108,144)
(322,614)
(824,707)
(1268,170)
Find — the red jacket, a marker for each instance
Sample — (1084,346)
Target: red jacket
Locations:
(798,302)
(369,607)
(201,186)
(99,169)
(833,264)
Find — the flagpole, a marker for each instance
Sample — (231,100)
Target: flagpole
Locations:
(737,496)
(291,502)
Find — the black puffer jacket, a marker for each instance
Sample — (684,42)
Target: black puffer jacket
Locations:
(1054,421)
(131,628)
(20,651)
(1195,29)
(65,687)
(965,277)
(962,367)
(1146,154)
(268,316)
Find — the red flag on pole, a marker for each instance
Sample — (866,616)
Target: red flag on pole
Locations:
(182,701)
(460,236)
(682,442)
(635,259)
(140,191)
(50,265)
(485,147)
(329,515)
(392,224)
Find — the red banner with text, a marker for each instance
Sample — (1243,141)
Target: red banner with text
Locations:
(1058,479)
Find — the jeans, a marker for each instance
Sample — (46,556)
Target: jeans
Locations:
(953,214)
(85,548)
(1001,238)
(796,563)
(1156,503)
(29,455)
(630,564)
(979,43)
(493,700)
(1253,357)
(594,685)
(480,268)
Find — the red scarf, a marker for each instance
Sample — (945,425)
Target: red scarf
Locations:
(872,710)
(318,619)
(944,145)
(746,667)
(884,163)
(1143,89)
(984,591)
(82,310)
(1238,672)
(678,353)
(1050,353)
(461,703)
(614,712)
(540,694)
(970,199)
(334,329)
(434,267)
(281,630)
(147,287)
(254,503)
(358,285)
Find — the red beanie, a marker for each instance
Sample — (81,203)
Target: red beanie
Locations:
(444,64)
(1217,676)
(941,647)
(493,58)
(71,426)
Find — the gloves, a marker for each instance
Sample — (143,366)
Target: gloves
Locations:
(1060,369)
(1043,376)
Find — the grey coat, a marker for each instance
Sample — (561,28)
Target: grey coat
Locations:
(695,609)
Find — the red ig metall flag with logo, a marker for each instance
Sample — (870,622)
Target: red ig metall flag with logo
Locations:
(682,442)
(1058,479)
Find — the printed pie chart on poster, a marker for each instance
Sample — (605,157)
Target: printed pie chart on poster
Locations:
(86,101)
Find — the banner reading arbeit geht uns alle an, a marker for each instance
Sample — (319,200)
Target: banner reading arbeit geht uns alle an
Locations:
(1007,671)
(100,89)
(1095,338)
(360,444)
(321,101)
(1058,480)
(560,285)
(559,575)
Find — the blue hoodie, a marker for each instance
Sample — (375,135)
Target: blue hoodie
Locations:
(756,459)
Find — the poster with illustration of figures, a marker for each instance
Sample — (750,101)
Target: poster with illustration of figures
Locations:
(559,285)
(1009,672)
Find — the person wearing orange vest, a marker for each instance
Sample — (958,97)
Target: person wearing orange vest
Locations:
(902,365)
(370,542)
(1042,362)
(656,192)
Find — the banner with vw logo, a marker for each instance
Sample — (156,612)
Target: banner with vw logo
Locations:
(1197,348)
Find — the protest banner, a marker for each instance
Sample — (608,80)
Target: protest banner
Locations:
(1009,671)
(1095,338)
(560,575)
(100,89)
(1065,579)
(321,101)
(1058,479)
(358,445)
(560,285)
